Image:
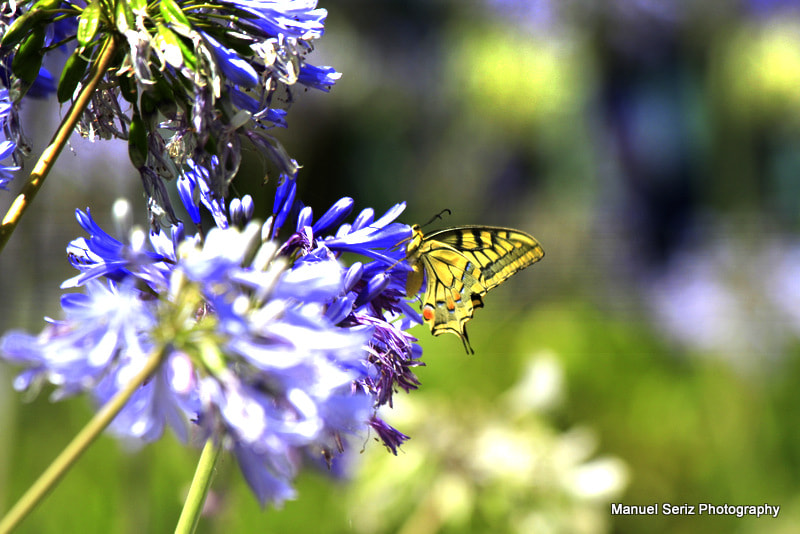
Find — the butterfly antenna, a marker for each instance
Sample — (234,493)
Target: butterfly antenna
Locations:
(437,216)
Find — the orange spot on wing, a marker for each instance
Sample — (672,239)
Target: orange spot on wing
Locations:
(427,313)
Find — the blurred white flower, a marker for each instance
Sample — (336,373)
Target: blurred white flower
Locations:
(507,466)
(541,387)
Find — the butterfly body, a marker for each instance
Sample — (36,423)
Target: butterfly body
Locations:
(459,266)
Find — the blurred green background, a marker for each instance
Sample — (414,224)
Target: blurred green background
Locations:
(653,355)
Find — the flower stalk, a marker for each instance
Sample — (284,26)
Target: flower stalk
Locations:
(77,446)
(51,153)
(193,507)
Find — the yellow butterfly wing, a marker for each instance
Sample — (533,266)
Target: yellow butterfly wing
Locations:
(459,266)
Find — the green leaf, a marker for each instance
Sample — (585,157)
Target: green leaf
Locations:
(25,23)
(124,17)
(174,15)
(148,108)
(163,93)
(43,5)
(137,141)
(169,45)
(88,23)
(73,73)
(138,6)
(19,29)
(28,59)
(127,86)
(188,55)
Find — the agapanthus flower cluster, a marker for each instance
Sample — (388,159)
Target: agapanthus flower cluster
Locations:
(186,84)
(273,347)
(266,342)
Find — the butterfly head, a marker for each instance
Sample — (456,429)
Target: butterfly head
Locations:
(415,241)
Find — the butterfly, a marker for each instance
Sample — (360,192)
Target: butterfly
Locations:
(460,265)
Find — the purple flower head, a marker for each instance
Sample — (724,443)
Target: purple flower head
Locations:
(251,355)
(297,392)
(373,294)
(380,239)
(193,84)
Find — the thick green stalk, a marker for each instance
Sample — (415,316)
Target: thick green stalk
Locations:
(50,154)
(190,515)
(77,447)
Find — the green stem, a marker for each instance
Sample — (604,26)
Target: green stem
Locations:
(77,447)
(50,154)
(190,515)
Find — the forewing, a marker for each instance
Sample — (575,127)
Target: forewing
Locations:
(499,252)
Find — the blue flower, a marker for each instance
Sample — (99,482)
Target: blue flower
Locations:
(284,202)
(104,256)
(297,392)
(201,80)
(298,19)
(381,239)
(7,146)
(241,210)
(237,70)
(250,354)
(373,294)
(195,187)
(75,352)
(267,117)
(7,149)
(322,78)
